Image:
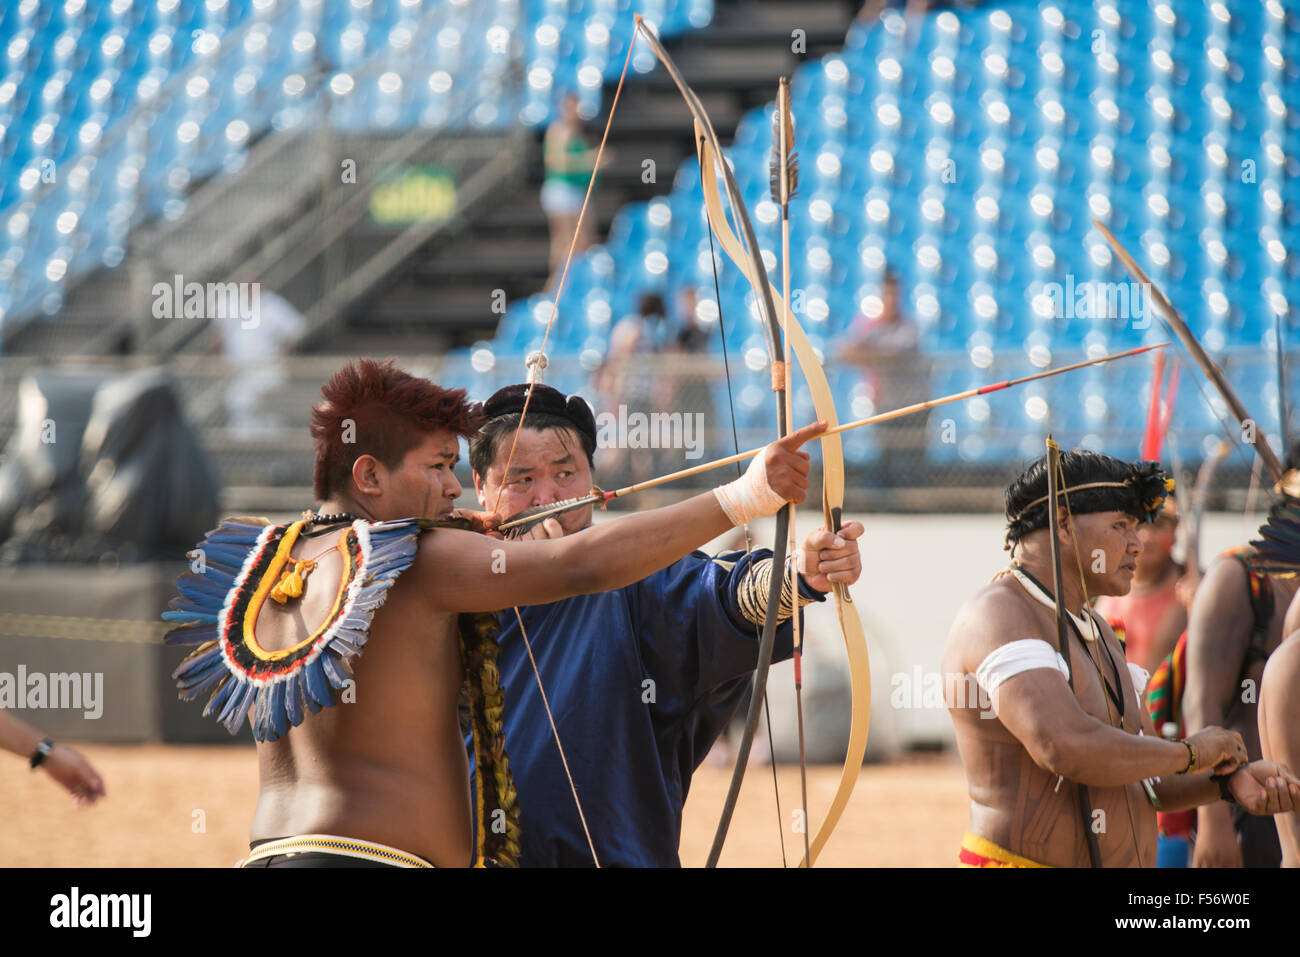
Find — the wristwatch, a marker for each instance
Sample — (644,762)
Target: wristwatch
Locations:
(42,751)
(1225,792)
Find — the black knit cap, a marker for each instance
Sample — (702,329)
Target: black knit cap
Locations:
(573,409)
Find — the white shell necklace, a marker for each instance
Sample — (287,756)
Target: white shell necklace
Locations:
(1086,624)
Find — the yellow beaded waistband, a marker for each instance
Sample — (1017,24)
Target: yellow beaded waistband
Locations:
(331,844)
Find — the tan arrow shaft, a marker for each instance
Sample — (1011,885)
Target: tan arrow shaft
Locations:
(886,416)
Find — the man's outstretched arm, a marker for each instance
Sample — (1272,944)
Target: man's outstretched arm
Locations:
(1260,787)
(1218,631)
(467,572)
(1040,710)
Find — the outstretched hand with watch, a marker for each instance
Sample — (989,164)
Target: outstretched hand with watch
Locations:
(1259,787)
(74,772)
(63,763)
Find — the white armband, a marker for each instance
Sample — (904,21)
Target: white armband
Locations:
(1009,660)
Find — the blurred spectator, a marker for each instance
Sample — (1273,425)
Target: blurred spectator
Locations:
(628,378)
(871,341)
(569,164)
(694,396)
(645,333)
(1235,623)
(886,346)
(1169,672)
(1152,613)
(254,349)
(692,335)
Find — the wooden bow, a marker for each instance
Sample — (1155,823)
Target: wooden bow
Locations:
(1055,490)
(751,264)
(750,261)
(779,318)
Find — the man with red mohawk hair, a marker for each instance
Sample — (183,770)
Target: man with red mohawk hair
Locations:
(361,758)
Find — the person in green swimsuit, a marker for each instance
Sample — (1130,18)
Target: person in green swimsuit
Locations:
(569,163)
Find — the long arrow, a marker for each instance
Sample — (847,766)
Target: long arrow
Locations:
(530,517)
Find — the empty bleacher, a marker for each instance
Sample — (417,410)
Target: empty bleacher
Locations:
(969,151)
(110,112)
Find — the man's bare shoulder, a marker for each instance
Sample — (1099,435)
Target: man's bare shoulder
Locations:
(434,535)
(1283,669)
(1225,581)
(444,554)
(441,546)
(998,613)
(1220,617)
(998,600)
(1291,622)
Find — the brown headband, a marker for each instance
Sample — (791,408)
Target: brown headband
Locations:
(1127,483)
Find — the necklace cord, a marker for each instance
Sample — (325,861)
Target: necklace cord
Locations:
(1117,696)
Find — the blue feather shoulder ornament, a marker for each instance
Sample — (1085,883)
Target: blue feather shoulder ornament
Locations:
(243,562)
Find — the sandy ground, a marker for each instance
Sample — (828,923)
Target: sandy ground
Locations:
(190,806)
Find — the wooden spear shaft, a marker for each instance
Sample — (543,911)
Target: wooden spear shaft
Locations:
(1178,326)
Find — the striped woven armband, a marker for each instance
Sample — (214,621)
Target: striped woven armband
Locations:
(753,590)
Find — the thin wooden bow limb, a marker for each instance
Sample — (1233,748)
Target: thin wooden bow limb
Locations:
(1055,483)
(764,295)
(784,171)
(1202,358)
(832,503)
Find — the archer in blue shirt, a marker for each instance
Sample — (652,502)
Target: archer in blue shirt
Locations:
(641,680)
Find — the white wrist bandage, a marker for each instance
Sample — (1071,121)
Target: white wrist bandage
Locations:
(750,496)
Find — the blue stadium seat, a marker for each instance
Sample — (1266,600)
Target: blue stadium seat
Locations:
(79,70)
(933,149)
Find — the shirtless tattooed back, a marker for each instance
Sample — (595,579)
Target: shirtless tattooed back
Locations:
(1034,740)
(361,756)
